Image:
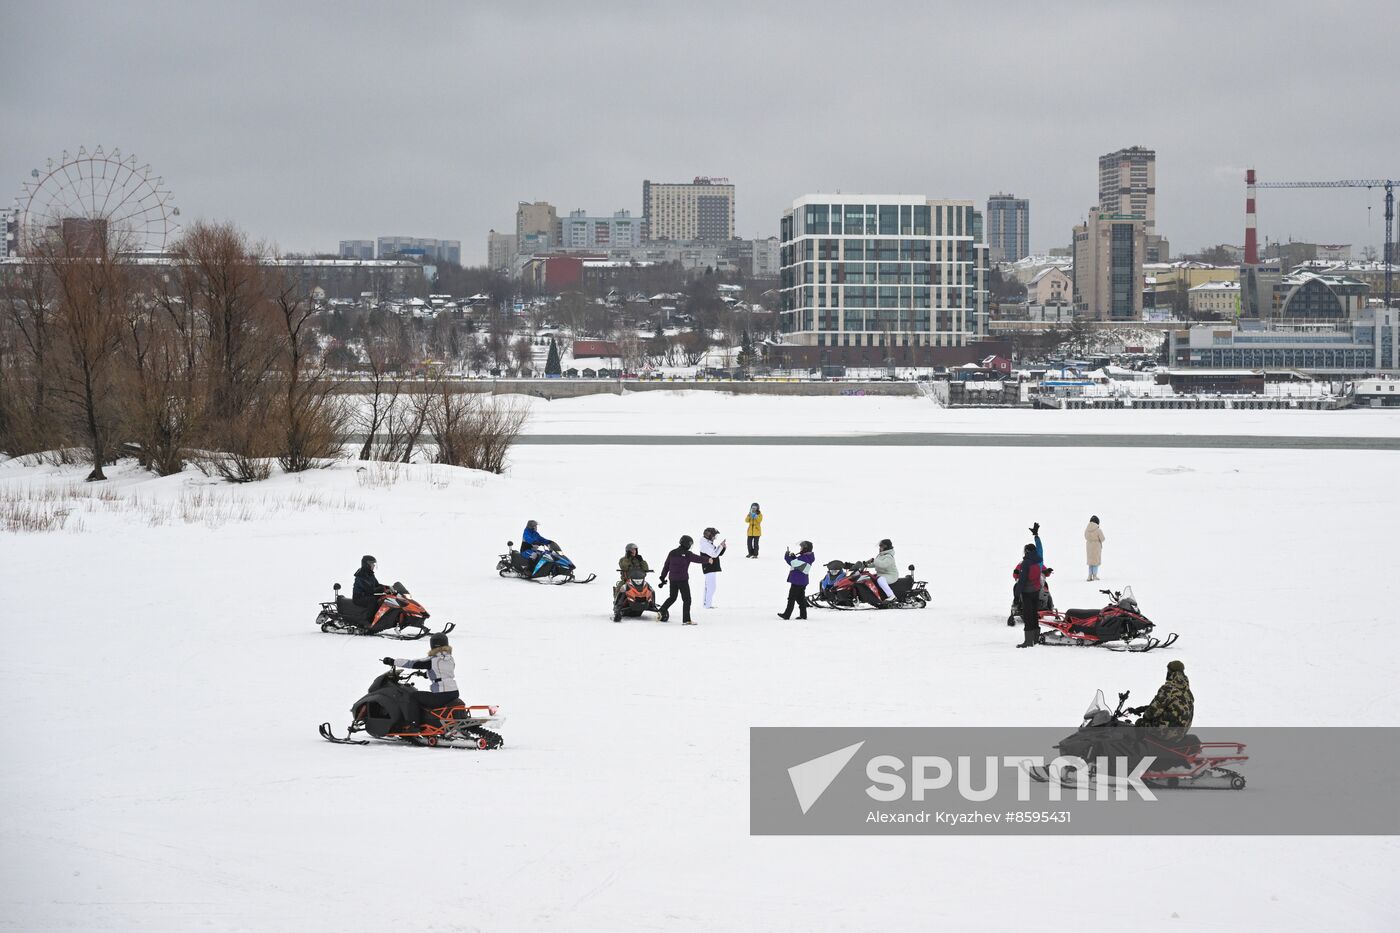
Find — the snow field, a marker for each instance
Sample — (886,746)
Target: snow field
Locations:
(177,782)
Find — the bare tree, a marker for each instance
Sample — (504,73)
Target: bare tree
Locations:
(93,293)
(27,419)
(312,420)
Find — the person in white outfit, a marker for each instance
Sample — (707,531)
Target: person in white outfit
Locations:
(711,550)
(887,567)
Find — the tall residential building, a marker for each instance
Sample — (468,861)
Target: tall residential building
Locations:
(9,232)
(537,223)
(1108,257)
(579,231)
(700,210)
(356,249)
(1008,228)
(1128,184)
(391,247)
(501,249)
(882,271)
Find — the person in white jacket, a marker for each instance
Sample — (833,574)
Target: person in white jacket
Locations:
(442,675)
(887,567)
(1093,546)
(712,551)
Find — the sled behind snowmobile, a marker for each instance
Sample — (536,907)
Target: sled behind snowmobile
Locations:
(341,616)
(390,713)
(546,565)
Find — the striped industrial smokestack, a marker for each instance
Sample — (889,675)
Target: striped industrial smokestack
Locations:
(1251,241)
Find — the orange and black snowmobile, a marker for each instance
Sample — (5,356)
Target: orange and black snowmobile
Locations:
(398,616)
(389,712)
(634,598)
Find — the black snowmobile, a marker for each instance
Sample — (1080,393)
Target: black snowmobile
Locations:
(409,622)
(390,713)
(1107,736)
(634,598)
(546,565)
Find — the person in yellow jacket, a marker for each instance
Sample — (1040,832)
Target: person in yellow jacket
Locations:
(754,521)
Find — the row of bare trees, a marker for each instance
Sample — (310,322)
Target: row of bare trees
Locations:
(213,357)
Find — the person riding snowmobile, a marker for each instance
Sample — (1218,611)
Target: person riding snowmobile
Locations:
(886,568)
(442,675)
(1173,708)
(369,593)
(531,539)
(630,564)
(1030,574)
(835,573)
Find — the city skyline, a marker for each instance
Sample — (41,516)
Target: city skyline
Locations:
(204,94)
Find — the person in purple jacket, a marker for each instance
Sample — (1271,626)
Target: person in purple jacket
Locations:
(677,567)
(799,563)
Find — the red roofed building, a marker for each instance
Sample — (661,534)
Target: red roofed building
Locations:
(587,349)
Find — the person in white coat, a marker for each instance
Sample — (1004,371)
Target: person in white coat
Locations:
(887,567)
(1093,546)
(711,550)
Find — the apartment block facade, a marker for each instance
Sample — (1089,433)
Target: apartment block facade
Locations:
(1008,228)
(580,231)
(883,274)
(1128,184)
(699,210)
(1108,258)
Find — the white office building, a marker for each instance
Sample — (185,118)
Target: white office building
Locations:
(882,271)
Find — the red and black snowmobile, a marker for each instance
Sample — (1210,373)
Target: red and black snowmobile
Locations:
(1107,739)
(389,712)
(853,585)
(1119,626)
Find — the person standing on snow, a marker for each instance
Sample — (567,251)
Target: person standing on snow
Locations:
(1093,546)
(754,523)
(677,567)
(1173,708)
(712,551)
(886,568)
(442,675)
(800,563)
(1030,575)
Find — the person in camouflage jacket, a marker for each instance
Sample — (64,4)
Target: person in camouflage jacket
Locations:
(1173,708)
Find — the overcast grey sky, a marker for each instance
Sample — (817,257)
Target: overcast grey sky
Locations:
(307,123)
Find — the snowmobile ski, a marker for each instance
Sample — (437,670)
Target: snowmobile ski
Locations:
(329,735)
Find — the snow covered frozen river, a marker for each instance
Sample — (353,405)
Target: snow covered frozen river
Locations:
(166,773)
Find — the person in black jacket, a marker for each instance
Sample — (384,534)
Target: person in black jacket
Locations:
(369,594)
(1030,577)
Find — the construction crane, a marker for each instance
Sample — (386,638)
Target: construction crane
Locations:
(1251,247)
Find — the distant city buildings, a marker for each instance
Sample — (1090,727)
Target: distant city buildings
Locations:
(881,279)
(1008,228)
(580,231)
(9,232)
(1368,344)
(1050,287)
(392,247)
(356,249)
(1128,184)
(1217,298)
(501,249)
(699,210)
(1108,260)
(536,223)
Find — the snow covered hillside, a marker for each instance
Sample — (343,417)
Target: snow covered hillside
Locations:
(163,772)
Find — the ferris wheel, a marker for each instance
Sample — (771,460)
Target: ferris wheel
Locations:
(97,193)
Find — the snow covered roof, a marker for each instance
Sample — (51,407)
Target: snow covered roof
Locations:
(1216,287)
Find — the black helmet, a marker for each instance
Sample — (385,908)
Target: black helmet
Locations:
(886,544)
(686,541)
(532,524)
(1030,550)
(367,560)
(438,640)
(755,507)
(835,565)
